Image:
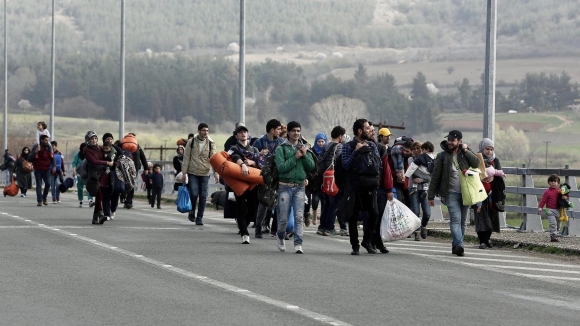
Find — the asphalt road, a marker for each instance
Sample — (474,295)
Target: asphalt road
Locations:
(154,267)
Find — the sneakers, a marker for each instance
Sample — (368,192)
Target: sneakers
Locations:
(45,202)
(423,232)
(554,238)
(102,219)
(112,215)
(329,232)
(58,200)
(198,221)
(80,204)
(459,251)
(91,203)
(482,246)
(191,216)
(246,239)
(417,238)
(22,195)
(344,232)
(307,219)
(281,245)
(54,201)
(39,203)
(320,232)
(298,249)
(383,249)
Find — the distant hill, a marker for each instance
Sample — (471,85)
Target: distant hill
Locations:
(195,25)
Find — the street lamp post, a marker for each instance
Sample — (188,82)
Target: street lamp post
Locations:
(52,73)
(490,55)
(5,140)
(122,77)
(242,61)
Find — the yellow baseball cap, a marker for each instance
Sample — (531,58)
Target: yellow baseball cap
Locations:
(384,132)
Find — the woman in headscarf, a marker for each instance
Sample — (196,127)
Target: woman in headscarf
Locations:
(177,163)
(313,187)
(487,215)
(23,178)
(98,178)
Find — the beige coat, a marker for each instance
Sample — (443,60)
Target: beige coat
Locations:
(197,163)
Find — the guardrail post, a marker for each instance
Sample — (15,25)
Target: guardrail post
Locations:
(532,222)
(572,227)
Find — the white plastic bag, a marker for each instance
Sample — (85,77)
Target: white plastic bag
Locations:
(398,221)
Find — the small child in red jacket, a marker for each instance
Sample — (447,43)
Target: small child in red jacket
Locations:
(550,200)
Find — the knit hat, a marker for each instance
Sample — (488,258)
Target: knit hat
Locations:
(107,135)
(486,142)
(178,147)
(292,125)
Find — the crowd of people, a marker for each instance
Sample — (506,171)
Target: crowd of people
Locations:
(368,172)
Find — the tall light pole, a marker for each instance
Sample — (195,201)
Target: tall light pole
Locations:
(242,61)
(5,140)
(490,55)
(52,68)
(122,78)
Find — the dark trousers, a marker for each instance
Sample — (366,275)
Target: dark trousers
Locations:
(42,176)
(114,201)
(150,194)
(156,196)
(363,202)
(129,197)
(106,192)
(98,208)
(328,211)
(484,236)
(247,205)
(382,203)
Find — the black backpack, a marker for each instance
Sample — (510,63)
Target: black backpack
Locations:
(314,182)
(366,165)
(340,174)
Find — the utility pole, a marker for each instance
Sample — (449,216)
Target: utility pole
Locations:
(242,61)
(122,77)
(490,55)
(52,74)
(547,142)
(5,140)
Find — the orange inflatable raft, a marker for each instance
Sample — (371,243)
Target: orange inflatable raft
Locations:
(232,173)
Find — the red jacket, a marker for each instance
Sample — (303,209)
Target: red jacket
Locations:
(43,159)
(387,181)
(550,198)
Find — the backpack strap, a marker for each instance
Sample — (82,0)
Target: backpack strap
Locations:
(333,158)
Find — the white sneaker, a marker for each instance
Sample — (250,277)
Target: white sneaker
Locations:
(298,249)
(112,215)
(281,245)
(22,195)
(246,239)
(91,203)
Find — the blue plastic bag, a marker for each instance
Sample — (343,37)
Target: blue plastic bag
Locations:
(290,224)
(183,202)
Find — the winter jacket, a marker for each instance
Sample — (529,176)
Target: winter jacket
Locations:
(157,180)
(291,169)
(197,163)
(41,160)
(386,181)
(440,177)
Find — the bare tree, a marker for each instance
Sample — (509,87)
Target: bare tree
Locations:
(337,110)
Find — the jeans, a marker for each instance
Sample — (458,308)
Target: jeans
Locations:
(81,190)
(417,203)
(54,183)
(291,196)
(261,218)
(41,176)
(8,177)
(197,186)
(457,217)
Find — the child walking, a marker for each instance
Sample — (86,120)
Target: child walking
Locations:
(550,201)
(157,185)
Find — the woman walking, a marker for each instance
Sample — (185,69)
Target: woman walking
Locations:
(98,178)
(23,178)
(177,163)
(487,215)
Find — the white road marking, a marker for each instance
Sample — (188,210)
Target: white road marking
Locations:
(529,269)
(224,286)
(549,277)
(545,301)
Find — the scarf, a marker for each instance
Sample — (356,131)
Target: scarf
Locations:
(486,142)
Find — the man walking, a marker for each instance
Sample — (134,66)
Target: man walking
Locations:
(360,157)
(42,158)
(293,161)
(267,145)
(196,170)
(383,141)
(455,158)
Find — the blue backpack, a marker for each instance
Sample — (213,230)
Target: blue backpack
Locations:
(57,161)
